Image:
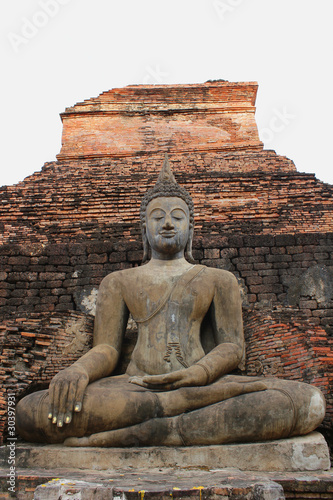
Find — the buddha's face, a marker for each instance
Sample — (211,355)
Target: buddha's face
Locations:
(167,227)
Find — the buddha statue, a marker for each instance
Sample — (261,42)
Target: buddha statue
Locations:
(180,387)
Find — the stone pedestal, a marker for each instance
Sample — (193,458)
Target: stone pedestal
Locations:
(67,489)
(269,470)
(305,453)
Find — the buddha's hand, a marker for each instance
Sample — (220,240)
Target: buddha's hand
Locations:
(189,377)
(66,394)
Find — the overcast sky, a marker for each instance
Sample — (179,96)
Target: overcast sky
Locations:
(56,53)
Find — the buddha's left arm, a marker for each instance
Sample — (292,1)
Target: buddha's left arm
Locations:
(226,320)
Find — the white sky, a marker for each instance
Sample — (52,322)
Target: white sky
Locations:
(55,53)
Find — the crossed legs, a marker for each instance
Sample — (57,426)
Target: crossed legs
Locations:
(233,409)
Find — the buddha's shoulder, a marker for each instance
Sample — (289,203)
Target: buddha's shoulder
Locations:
(122,277)
(136,275)
(220,276)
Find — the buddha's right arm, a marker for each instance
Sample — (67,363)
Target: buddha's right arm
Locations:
(99,362)
(68,386)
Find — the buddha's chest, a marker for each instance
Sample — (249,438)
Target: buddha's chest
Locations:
(172,298)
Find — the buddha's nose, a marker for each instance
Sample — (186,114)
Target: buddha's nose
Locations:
(168,223)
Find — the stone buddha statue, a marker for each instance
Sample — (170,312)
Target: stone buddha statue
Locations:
(180,387)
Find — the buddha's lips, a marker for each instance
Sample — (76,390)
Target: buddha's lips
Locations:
(167,234)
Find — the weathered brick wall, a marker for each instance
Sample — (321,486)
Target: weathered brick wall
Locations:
(34,348)
(247,192)
(286,269)
(282,342)
(144,119)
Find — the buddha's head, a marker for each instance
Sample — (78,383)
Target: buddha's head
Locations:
(167,217)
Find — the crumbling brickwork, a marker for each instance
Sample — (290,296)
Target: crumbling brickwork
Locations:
(63,229)
(147,119)
(287,269)
(34,348)
(282,342)
(238,193)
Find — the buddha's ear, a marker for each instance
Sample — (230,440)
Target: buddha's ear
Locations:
(145,244)
(188,249)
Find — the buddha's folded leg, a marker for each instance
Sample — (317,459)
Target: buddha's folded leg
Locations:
(113,403)
(248,417)
(108,403)
(307,401)
(285,409)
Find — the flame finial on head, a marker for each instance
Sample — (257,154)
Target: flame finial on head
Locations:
(166,186)
(166,174)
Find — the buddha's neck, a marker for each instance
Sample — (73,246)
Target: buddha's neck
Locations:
(175,264)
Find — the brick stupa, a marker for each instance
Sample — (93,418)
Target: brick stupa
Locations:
(64,228)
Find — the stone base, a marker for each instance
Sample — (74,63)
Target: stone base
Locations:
(166,484)
(68,489)
(305,453)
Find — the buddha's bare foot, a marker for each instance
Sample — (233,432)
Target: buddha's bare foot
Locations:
(233,389)
(74,441)
(101,439)
(158,431)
